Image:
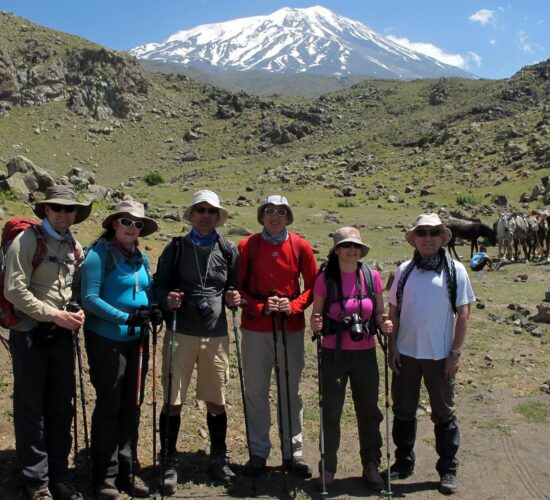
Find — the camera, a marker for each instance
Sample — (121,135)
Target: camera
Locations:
(357,328)
(204,308)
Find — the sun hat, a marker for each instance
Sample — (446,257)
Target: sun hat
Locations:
(205,195)
(428,220)
(275,199)
(63,195)
(135,211)
(348,234)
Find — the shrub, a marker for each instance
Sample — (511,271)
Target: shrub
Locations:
(153,179)
(347,203)
(468,199)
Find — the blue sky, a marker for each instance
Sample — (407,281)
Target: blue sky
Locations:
(491,39)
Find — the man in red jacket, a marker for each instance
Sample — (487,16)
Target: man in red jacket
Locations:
(271,263)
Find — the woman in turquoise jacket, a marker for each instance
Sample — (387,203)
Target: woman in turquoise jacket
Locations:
(116,282)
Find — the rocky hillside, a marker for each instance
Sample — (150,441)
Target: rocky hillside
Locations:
(67,103)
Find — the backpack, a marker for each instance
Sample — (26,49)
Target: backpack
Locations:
(177,241)
(332,295)
(254,249)
(11,229)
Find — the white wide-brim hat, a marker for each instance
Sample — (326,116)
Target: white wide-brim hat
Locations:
(349,234)
(278,200)
(135,211)
(432,220)
(205,195)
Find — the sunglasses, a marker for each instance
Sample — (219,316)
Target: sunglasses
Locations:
(210,210)
(349,244)
(65,208)
(131,223)
(424,232)
(276,211)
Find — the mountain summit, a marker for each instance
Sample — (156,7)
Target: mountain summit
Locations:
(313,40)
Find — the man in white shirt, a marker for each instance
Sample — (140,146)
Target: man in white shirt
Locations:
(430,307)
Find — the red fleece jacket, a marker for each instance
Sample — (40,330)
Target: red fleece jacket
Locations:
(275,268)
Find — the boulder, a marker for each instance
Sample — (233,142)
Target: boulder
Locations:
(21,184)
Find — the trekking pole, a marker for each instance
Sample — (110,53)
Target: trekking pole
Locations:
(167,397)
(154,305)
(240,367)
(317,337)
(272,293)
(142,332)
(288,405)
(383,340)
(74,306)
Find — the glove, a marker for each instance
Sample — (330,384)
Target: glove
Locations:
(138,318)
(156,316)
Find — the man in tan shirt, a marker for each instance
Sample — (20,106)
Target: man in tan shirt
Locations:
(41,344)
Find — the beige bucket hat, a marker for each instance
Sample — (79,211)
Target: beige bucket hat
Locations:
(135,211)
(432,220)
(349,234)
(63,195)
(205,195)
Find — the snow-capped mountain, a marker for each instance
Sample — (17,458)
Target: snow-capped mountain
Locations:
(313,40)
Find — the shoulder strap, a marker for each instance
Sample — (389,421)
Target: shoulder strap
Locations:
(41,247)
(296,244)
(369,282)
(225,249)
(253,249)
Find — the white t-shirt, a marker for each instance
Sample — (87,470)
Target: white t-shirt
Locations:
(426,326)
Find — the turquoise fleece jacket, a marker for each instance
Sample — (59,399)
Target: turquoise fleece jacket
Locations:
(109,298)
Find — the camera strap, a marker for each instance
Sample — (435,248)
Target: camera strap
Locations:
(202,280)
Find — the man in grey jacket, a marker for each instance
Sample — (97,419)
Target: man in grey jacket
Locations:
(41,344)
(195,275)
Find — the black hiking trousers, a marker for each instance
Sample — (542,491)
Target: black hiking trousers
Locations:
(43,389)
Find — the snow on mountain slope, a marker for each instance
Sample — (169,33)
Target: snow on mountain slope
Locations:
(313,40)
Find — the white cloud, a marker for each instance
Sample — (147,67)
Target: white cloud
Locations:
(492,42)
(471,61)
(431,50)
(484,16)
(525,45)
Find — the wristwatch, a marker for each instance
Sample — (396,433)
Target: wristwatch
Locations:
(455,354)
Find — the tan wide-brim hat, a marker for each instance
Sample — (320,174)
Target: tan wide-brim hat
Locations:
(63,195)
(276,200)
(349,234)
(135,211)
(432,220)
(207,196)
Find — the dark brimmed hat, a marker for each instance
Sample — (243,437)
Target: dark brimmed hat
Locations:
(63,195)
(349,234)
(207,196)
(135,211)
(277,200)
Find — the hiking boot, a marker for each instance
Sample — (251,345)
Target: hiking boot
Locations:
(106,491)
(134,486)
(372,477)
(449,483)
(398,472)
(298,466)
(38,493)
(65,490)
(255,466)
(219,469)
(169,480)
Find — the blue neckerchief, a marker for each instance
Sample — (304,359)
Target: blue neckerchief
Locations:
(55,234)
(275,240)
(203,241)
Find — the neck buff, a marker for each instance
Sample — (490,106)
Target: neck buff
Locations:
(203,241)
(275,240)
(48,228)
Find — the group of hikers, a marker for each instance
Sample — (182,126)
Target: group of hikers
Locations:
(272,277)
